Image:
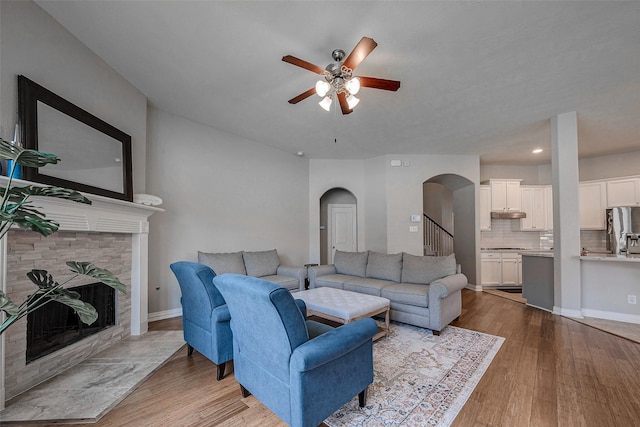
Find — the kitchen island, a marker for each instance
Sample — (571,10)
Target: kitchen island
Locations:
(609,284)
(537,279)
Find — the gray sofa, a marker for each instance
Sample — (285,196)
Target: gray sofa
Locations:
(262,264)
(424,291)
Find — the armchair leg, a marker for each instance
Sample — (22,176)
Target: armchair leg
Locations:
(436,333)
(220,373)
(189,350)
(245,392)
(362,398)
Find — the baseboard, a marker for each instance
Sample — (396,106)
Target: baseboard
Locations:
(167,314)
(578,314)
(471,286)
(610,315)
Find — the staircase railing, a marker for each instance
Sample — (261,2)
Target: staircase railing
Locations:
(437,240)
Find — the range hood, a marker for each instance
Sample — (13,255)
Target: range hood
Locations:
(508,215)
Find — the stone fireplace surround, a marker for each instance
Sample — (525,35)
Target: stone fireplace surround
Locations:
(111,233)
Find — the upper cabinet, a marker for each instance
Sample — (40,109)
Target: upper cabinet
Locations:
(505,195)
(623,192)
(485,208)
(537,204)
(593,204)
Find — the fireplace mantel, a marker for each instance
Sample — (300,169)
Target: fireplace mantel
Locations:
(104,215)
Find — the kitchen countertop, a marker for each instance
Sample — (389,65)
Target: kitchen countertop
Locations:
(545,254)
(610,257)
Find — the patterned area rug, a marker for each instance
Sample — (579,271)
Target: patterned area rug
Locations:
(420,379)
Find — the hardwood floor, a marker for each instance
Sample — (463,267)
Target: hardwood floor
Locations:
(550,371)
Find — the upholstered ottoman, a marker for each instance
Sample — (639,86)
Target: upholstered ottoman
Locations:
(344,306)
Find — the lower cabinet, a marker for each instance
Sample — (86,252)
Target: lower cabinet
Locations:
(501,269)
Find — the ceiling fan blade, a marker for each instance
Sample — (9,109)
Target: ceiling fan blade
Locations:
(376,83)
(303,95)
(344,106)
(361,51)
(303,64)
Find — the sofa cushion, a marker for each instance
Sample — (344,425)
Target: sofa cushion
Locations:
(331,280)
(384,267)
(367,286)
(221,263)
(290,283)
(426,269)
(262,263)
(407,293)
(351,263)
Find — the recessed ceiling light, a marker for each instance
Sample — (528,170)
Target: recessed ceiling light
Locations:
(300,153)
(537,151)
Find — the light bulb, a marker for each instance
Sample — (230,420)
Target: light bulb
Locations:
(322,88)
(326,103)
(352,101)
(353,86)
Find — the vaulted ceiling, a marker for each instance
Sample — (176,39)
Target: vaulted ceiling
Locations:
(479,78)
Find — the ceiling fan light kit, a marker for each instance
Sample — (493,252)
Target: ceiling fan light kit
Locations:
(339,81)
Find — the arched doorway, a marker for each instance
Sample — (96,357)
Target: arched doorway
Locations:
(450,201)
(338,223)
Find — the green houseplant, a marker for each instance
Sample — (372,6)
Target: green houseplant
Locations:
(17,209)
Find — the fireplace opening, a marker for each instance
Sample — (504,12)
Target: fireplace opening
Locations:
(54,325)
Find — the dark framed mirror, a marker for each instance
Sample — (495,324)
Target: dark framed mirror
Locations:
(95,157)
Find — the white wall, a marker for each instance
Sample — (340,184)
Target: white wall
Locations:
(36,46)
(612,166)
(393,194)
(404,194)
(323,176)
(221,193)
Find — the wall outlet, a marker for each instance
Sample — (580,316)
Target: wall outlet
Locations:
(631,299)
(413,228)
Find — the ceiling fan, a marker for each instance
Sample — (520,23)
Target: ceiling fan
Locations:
(339,79)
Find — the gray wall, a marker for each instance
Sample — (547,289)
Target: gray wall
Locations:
(437,201)
(36,46)
(221,193)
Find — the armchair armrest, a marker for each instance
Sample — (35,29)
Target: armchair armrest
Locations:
(317,271)
(221,313)
(302,306)
(445,286)
(331,345)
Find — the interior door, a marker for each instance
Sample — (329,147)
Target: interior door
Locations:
(342,229)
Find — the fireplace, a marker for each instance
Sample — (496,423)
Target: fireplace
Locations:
(55,325)
(111,233)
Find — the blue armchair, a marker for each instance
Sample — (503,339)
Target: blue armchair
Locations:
(301,379)
(205,317)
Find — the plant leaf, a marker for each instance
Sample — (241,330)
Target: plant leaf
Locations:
(30,219)
(7,305)
(42,279)
(84,310)
(20,193)
(100,274)
(26,157)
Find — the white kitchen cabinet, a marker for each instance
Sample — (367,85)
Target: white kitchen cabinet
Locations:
(485,208)
(593,204)
(491,269)
(500,269)
(534,205)
(511,269)
(505,195)
(548,206)
(623,192)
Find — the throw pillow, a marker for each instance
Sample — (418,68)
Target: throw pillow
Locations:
(221,263)
(426,269)
(351,263)
(262,263)
(385,267)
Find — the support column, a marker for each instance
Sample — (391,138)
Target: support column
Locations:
(566,214)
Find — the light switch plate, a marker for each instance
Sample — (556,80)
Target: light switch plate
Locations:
(413,228)
(415,218)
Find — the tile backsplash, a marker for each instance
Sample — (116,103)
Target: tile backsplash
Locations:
(505,233)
